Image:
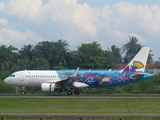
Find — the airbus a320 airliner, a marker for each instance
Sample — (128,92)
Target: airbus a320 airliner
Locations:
(61,80)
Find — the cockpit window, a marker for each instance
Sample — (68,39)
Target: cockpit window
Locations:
(12,75)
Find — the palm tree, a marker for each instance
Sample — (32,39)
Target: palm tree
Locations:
(131,48)
(116,51)
(61,53)
(54,52)
(27,51)
(6,56)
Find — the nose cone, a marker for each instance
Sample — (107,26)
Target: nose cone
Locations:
(6,81)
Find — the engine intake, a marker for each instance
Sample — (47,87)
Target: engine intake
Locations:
(48,87)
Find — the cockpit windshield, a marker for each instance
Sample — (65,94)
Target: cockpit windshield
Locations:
(12,75)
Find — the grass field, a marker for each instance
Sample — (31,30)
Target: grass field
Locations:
(79,105)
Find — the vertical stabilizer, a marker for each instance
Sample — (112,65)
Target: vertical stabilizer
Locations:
(138,63)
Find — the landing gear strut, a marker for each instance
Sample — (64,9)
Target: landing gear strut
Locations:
(23,92)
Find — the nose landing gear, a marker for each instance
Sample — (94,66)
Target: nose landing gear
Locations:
(23,92)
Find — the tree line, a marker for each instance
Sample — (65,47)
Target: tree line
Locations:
(56,55)
(52,55)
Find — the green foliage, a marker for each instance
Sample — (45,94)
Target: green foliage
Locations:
(53,52)
(116,52)
(23,63)
(40,64)
(27,51)
(59,67)
(7,55)
(91,56)
(87,56)
(131,48)
(79,105)
(4,88)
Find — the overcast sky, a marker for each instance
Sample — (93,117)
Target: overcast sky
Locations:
(109,22)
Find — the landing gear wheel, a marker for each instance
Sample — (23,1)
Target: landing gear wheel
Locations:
(76,92)
(23,93)
(69,92)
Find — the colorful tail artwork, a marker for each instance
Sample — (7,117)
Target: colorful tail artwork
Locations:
(137,64)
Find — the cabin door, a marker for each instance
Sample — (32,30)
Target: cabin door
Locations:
(21,78)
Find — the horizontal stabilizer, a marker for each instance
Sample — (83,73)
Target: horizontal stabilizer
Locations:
(136,76)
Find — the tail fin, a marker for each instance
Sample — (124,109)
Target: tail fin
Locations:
(138,63)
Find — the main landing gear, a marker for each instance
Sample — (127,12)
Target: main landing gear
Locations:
(23,92)
(69,92)
(76,92)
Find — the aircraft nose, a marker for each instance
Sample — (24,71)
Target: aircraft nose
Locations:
(6,81)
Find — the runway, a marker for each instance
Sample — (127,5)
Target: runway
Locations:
(80,96)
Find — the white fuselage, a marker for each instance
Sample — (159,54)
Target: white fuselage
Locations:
(31,78)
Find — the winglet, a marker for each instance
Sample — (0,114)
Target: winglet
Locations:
(75,73)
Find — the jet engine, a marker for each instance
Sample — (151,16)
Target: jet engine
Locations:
(48,87)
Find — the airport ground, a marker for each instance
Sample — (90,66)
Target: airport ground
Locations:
(86,107)
(79,105)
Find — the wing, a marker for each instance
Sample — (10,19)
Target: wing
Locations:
(67,83)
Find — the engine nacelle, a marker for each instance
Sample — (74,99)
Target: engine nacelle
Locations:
(48,87)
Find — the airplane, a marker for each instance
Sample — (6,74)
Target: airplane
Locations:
(64,80)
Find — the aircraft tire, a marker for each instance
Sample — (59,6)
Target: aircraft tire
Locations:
(69,92)
(76,92)
(23,93)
